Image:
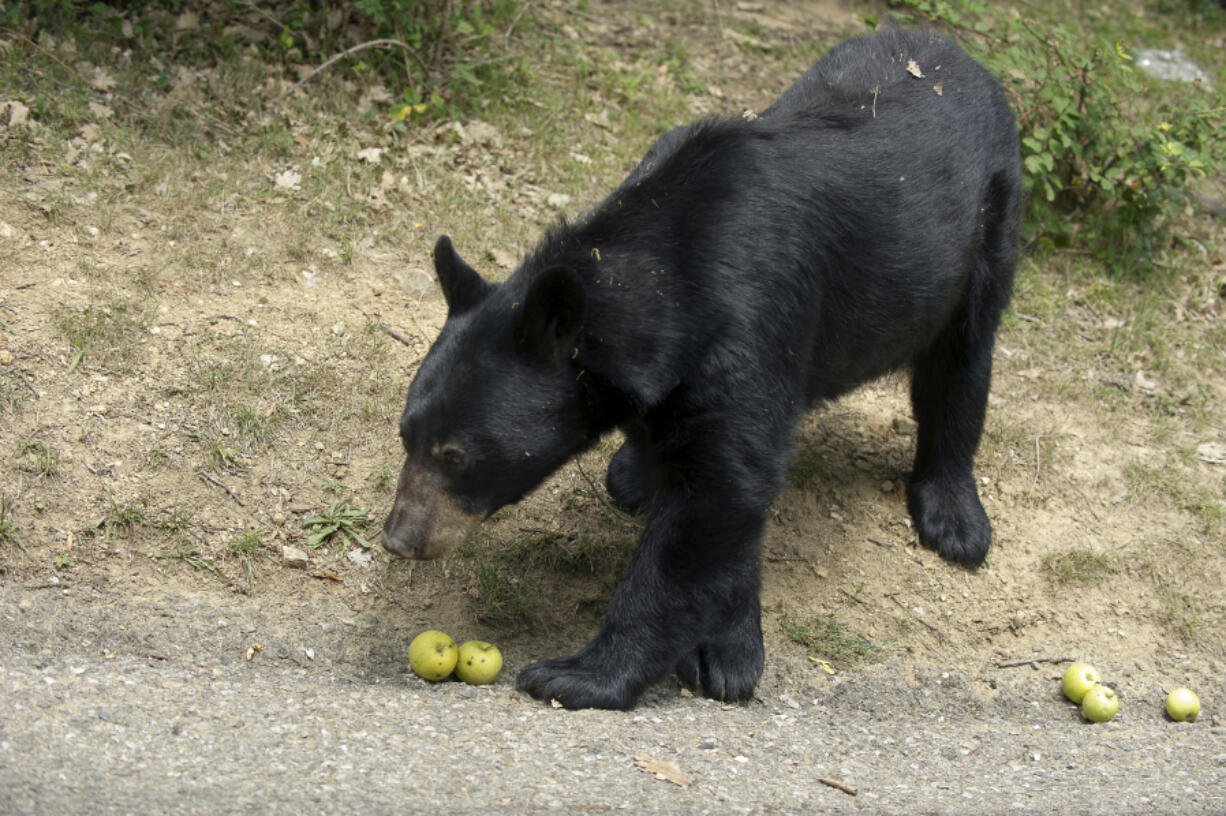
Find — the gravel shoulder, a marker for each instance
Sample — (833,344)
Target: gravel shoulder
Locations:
(104,713)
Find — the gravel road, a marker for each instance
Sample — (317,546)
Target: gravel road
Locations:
(111,706)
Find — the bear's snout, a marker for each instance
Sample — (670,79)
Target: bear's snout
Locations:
(424,522)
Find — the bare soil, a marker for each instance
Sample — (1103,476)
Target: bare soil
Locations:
(233,374)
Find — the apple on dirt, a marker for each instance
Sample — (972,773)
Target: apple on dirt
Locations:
(1100,704)
(1078,679)
(479,662)
(1182,705)
(433,655)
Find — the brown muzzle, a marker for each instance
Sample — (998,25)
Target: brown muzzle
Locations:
(425,522)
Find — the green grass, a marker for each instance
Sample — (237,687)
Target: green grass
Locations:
(218,455)
(189,553)
(505,600)
(254,428)
(384,478)
(1079,565)
(829,639)
(604,557)
(122,519)
(9,537)
(102,334)
(13,392)
(39,458)
(245,547)
(1207,505)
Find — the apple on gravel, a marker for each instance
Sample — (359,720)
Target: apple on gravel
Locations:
(1182,705)
(433,655)
(1078,679)
(479,663)
(1100,704)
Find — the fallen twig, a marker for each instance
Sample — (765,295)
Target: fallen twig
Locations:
(598,493)
(881,543)
(860,601)
(220,484)
(381,43)
(1010,664)
(837,785)
(395,335)
(893,596)
(26,383)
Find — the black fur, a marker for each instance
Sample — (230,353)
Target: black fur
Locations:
(747,269)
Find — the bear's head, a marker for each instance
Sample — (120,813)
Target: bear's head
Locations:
(495,407)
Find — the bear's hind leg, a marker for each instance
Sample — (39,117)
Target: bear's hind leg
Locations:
(627,480)
(949,394)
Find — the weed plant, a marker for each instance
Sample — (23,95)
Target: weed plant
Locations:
(1109,160)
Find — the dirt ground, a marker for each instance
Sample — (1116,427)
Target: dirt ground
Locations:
(193,361)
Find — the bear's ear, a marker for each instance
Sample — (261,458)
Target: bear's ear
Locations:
(463,286)
(551,315)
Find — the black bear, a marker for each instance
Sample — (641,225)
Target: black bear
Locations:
(748,268)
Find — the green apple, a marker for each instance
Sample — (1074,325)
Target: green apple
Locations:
(479,663)
(1100,704)
(1078,679)
(433,655)
(1182,705)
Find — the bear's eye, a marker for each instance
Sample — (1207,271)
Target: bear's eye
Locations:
(453,456)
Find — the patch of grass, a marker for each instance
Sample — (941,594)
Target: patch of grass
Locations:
(178,521)
(342,522)
(157,455)
(9,536)
(583,554)
(1206,505)
(189,553)
(218,455)
(39,458)
(829,638)
(13,392)
(1191,616)
(503,599)
(246,546)
(1079,565)
(384,478)
(252,428)
(121,518)
(101,333)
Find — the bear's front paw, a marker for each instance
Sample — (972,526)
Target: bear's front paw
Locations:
(726,670)
(576,683)
(949,516)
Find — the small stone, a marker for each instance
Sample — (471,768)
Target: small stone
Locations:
(905,426)
(294,557)
(887,486)
(6,357)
